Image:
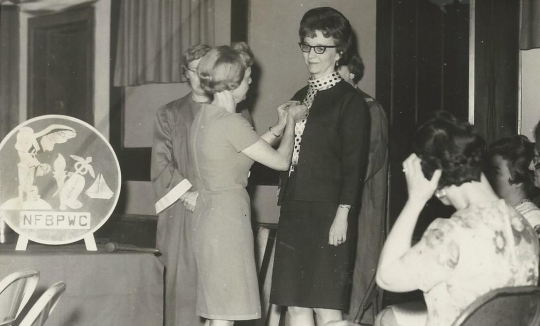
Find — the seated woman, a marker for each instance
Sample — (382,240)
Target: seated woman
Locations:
(535,166)
(510,176)
(485,245)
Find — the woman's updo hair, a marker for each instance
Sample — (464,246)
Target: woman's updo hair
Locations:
(453,146)
(223,69)
(331,23)
(356,68)
(245,52)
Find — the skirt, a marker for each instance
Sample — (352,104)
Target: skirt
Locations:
(309,272)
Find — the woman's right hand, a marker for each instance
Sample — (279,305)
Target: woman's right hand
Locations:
(189,200)
(419,188)
(298,112)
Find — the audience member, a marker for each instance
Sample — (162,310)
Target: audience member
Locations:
(535,166)
(485,245)
(510,176)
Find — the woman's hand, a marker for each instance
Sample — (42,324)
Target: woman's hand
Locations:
(190,200)
(420,189)
(225,100)
(283,111)
(298,112)
(338,230)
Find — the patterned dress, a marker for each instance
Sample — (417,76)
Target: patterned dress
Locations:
(479,249)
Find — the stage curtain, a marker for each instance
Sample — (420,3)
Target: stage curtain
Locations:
(9,69)
(153,35)
(530,24)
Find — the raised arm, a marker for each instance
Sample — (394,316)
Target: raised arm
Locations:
(279,159)
(394,273)
(274,133)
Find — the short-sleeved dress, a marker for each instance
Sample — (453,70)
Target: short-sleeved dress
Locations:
(222,235)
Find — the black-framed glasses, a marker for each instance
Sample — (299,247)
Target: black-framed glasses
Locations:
(319,49)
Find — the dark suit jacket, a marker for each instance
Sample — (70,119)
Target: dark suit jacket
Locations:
(334,148)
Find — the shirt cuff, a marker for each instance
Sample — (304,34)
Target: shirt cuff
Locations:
(172,196)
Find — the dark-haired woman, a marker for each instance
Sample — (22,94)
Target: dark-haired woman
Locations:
(320,192)
(535,165)
(485,245)
(223,147)
(510,176)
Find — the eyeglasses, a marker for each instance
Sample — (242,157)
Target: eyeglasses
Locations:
(536,161)
(319,49)
(190,69)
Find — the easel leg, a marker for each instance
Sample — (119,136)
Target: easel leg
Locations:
(90,242)
(22,243)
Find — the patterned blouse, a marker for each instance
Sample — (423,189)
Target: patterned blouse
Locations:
(531,213)
(480,248)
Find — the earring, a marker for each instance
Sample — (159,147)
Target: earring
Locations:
(351,76)
(440,193)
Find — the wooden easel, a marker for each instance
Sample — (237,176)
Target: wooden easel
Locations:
(89,242)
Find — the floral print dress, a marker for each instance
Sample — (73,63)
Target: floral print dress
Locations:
(479,249)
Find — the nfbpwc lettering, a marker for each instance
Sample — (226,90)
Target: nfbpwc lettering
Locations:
(54,220)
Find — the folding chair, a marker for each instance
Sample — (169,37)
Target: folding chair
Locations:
(41,310)
(516,306)
(15,291)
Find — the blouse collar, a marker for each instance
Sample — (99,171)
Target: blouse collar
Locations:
(325,82)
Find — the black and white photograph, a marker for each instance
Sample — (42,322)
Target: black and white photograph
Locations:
(269,162)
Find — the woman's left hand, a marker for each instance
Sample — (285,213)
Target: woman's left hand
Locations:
(338,230)
(226,100)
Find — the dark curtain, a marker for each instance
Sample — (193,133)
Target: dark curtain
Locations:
(153,35)
(530,24)
(9,69)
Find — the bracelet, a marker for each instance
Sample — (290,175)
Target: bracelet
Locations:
(344,206)
(270,129)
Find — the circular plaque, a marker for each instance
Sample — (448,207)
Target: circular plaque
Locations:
(59,179)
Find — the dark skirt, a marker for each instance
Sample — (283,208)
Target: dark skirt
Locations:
(308,272)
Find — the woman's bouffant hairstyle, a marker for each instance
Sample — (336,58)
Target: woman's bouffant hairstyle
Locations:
(453,146)
(356,68)
(518,153)
(193,53)
(245,52)
(331,23)
(222,69)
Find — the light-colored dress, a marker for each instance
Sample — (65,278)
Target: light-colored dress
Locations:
(479,249)
(222,234)
(170,167)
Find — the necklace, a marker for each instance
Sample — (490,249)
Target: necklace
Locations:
(524,200)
